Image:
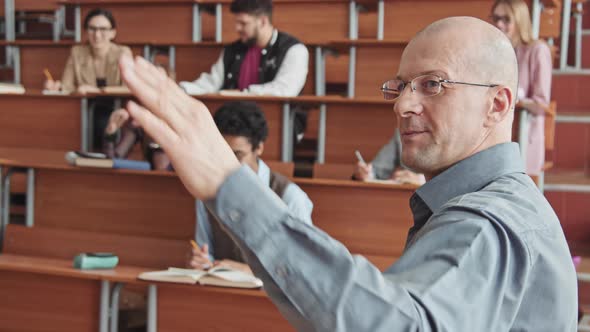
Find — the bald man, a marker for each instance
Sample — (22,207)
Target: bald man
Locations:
(486,252)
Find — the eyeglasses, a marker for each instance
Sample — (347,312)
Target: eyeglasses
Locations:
(92,29)
(427,85)
(500,18)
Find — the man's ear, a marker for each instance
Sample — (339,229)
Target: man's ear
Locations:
(502,103)
(259,150)
(264,20)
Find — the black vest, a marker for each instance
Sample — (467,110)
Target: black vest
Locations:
(223,246)
(270,62)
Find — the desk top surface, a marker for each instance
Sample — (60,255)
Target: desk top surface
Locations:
(55,159)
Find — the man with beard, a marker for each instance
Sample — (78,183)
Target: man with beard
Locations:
(263,61)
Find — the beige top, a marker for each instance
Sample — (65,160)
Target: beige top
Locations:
(80,67)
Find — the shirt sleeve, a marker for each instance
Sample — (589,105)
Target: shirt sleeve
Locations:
(204,234)
(68,78)
(298,203)
(290,78)
(385,162)
(207,82)
(450,280)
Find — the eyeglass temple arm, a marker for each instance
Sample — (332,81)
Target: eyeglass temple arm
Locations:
(474,84)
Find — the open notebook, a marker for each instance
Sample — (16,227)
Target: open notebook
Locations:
(11,88)
(218,276)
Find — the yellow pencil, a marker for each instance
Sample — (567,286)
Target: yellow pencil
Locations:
(47,74)
(194,244)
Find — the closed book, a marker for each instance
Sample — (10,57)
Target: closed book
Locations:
(93,162)
(131,164)
(116,89)
(220,276)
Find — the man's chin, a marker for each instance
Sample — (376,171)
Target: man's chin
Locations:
(414,161)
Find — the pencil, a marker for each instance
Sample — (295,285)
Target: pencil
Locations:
(47,74)
(194,244)
(359,157)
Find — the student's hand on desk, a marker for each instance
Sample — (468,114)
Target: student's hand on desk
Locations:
(199,258)
(363,172)
(406,176)
(234,265)
(85,88)
(52,85)
(183,127)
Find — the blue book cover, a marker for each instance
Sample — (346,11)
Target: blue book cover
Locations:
(131,164)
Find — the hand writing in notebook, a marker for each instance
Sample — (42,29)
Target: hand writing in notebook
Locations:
(200,257)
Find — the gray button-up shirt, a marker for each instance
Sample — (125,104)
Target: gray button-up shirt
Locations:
(486,253)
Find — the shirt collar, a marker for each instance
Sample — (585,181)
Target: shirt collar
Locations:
(470,175)
(263,172)
(273,40)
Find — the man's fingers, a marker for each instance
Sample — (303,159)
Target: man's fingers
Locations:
(158,80)
(150,87)
(155,127)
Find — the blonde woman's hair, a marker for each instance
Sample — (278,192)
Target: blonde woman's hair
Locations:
(522,18)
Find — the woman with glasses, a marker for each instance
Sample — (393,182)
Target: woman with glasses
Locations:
(95,64)
(512,17)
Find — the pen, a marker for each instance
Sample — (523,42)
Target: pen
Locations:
(359,157)
(196,246)
(47,74)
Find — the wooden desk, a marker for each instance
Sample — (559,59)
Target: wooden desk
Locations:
(33,120)
(35,5)
(345,125)
(41,291)
(142,21)
(31,57)
(404,18)
(369,219)
(288,16)
(124,202)
(156,205)
(371,63)
(180,307)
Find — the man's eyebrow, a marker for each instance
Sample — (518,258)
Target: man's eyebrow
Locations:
(438,72)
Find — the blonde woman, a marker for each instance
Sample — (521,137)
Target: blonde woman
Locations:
(534,68)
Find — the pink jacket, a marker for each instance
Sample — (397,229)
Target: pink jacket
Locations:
(534,74)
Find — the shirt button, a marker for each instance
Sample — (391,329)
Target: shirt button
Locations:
(264,52)
(230,75)
(234,216)
(238,57)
